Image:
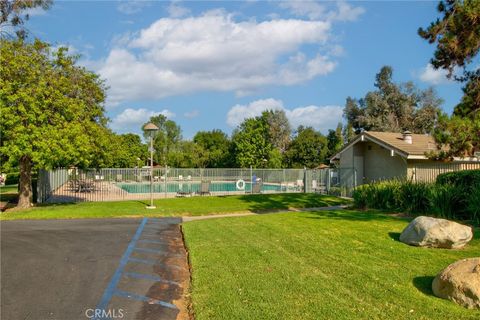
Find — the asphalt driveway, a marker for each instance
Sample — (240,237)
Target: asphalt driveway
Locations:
(93,269)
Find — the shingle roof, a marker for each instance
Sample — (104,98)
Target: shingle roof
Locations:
(421,143)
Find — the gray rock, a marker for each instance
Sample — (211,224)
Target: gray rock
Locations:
(436,233)
(460,283)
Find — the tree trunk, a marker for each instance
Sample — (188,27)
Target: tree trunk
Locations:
(25,183)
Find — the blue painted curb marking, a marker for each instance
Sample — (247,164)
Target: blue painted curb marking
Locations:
(107,295)
(149,277)
(144,298)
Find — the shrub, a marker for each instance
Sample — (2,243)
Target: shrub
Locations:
(360,196)
(444,198)
(473,205)
(415,197)
(466,179)
(455,195)
(466,185)
(12,178)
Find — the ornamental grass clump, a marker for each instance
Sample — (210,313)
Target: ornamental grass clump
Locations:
(444,198)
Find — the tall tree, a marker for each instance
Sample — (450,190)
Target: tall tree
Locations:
(128,151)
(308,149)
(188,154)
(334,140)
(393,107)
(14,13)
(216,146)
(167,137)
(457,39)
(250,143)
(52,111)
(278,128)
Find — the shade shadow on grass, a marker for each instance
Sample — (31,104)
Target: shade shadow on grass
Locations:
(264,202)
(395,235)
(424,284)
(351,215)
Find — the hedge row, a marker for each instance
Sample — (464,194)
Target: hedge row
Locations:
(455,195)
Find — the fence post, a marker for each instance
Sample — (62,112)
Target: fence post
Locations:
(251,179)
(304,179)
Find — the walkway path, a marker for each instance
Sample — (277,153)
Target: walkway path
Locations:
(249,213)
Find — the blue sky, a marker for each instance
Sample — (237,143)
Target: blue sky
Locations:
(209,65)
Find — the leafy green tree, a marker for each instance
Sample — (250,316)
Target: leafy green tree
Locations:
(13,16)
(393,107)
(250,143)
(166,139)
(348,133)
(188,154)
(216,146)
(456,137)
(128,151)
(279,130)
(52,111)
(307,149)
(457,39)
(334,140)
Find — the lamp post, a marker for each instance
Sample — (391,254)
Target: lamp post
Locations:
(150,128)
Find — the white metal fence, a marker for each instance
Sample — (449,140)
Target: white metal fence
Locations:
(77,185)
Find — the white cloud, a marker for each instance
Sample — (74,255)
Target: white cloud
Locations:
(239,112)
(132,119)
(433,76)
(346,12)
(176,11)
(132,7)
(319,117)
(172,57)
(191,114)
(300,8)
(314,10)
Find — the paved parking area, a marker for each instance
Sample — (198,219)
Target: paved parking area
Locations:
(93,269)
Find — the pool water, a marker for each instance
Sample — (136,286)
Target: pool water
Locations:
(159,187)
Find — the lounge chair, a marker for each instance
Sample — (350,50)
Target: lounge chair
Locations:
(204,188)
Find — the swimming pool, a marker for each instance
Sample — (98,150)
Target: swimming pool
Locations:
(174,187)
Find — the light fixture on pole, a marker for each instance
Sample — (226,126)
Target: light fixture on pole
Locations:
(150,129)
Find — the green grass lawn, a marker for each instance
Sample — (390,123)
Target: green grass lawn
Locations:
(194,206)
(316,265)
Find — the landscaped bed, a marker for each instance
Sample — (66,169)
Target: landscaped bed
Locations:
(193,206)
(316,265)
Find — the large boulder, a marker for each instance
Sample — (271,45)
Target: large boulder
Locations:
(436,233)
(460,283)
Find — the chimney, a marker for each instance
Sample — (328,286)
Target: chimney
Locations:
(407,137)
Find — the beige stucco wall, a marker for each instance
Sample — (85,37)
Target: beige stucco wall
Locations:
(380,165)
(373,162)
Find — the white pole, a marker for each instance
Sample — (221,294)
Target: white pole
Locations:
(151,206)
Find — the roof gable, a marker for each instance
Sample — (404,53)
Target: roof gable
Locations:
(421,143)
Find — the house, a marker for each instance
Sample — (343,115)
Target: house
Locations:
(373,156)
